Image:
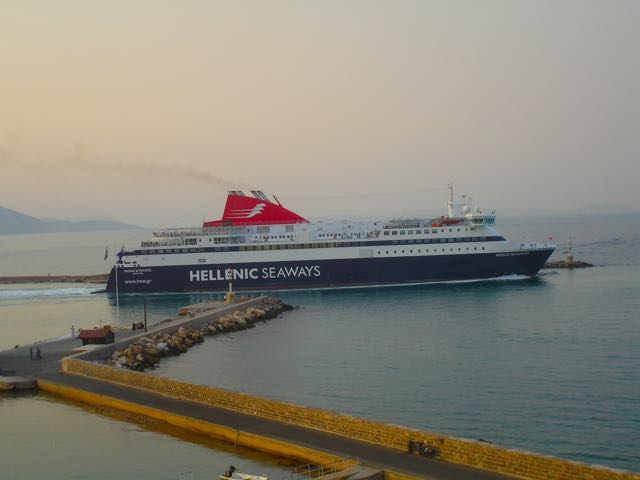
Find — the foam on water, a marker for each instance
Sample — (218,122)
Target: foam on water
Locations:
(46,292)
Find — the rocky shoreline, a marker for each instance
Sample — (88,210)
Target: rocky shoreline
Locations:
(147,351)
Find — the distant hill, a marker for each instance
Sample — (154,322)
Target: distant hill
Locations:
(16,222)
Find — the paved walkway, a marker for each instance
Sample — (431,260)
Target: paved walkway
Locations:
(369,454)
(52,352)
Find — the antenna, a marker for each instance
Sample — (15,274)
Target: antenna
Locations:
(451,190)
(262,196)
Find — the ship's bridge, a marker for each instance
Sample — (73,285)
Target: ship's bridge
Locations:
(470,213)
(480,219)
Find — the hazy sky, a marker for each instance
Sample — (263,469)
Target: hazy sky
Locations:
(148,111)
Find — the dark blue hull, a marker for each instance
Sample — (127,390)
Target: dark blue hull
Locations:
(327,273)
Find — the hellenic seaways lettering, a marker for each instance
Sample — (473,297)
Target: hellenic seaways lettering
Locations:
(301,271)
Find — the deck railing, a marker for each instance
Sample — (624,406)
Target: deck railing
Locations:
(316,471)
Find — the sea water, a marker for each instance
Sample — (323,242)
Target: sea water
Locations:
(43,437)
(549,364)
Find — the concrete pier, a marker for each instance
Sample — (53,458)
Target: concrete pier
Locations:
(276,438)
(9,384)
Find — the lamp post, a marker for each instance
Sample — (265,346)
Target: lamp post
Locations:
(145,314)
(229,296)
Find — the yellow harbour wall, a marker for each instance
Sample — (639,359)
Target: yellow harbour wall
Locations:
(467,452)
(243,439)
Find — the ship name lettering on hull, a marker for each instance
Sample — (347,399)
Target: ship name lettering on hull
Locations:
(301,271)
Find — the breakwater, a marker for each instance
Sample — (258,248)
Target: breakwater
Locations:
(460,451)
(146,352)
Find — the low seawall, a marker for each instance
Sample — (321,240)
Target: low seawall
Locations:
(466,452)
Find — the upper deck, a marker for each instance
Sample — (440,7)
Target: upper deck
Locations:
(255,228)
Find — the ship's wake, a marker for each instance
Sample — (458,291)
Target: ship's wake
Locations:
(25,293)
(503,278)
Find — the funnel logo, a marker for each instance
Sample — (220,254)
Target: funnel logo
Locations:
(247,212)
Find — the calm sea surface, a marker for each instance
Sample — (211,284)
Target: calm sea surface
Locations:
(550,364)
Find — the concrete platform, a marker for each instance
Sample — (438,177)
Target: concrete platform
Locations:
(10,384)
(52,351)
(201,307)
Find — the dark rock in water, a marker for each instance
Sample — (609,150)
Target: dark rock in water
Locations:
(566,264)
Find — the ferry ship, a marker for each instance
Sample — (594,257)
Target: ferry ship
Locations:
(259,244)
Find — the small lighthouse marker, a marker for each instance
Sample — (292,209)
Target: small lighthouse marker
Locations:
(229,296)
(569,260)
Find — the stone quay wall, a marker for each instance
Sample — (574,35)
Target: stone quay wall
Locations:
(468,452)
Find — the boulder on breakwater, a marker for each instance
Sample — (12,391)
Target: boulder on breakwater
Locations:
(147,351)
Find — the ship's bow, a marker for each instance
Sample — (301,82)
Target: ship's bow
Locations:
(535,256)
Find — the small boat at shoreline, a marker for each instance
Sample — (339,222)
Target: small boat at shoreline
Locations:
(232,474)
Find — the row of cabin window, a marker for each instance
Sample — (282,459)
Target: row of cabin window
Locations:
(343,235)
(419,231)
(219,240)
(267,229)
(484,220)
(435,250)
(223,240)
(242,248)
